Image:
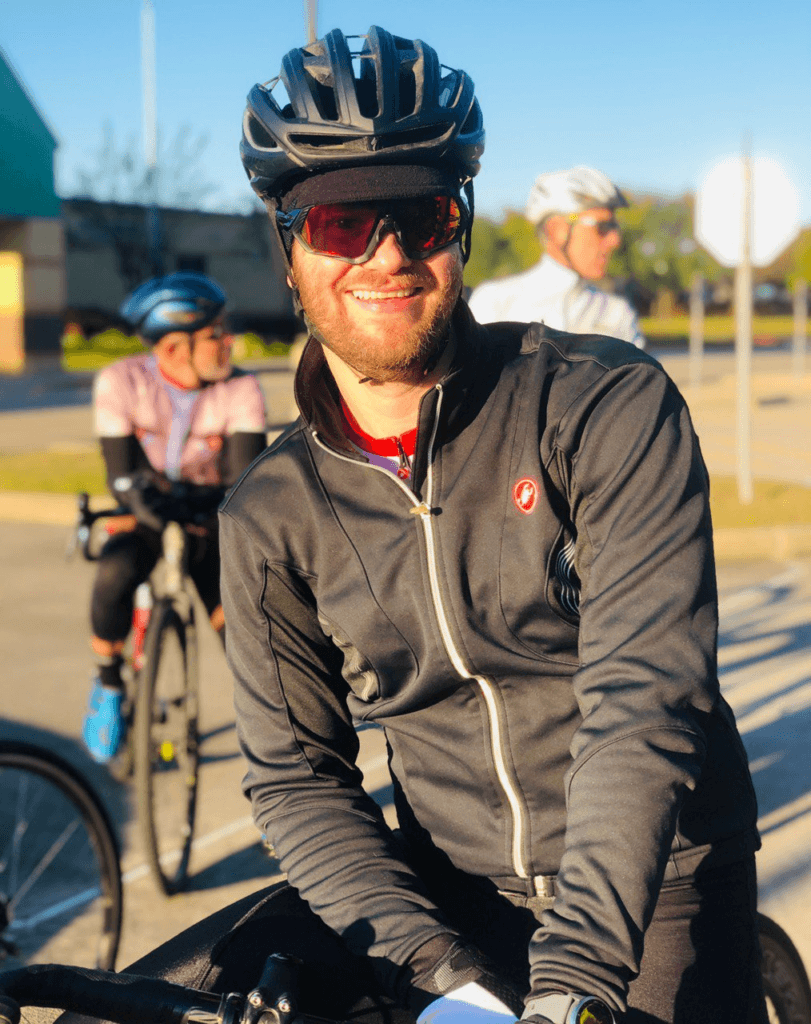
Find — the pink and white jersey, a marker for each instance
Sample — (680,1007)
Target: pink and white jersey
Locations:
(132,397)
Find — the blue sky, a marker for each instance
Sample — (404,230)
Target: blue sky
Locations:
(652,93)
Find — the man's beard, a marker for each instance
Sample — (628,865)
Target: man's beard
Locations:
(212,373)
(363,352)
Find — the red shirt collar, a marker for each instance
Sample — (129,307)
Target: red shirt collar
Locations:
(377,445)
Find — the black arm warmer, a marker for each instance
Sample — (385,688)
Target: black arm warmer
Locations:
(238,452)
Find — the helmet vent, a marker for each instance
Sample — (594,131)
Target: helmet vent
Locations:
(473,121)
(407,91)
(366,92)
(324,96)
(258,134)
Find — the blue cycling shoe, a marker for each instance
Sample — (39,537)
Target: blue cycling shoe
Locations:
(104,724)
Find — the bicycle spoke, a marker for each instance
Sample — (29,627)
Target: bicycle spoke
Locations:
(44,863)
(59,873)
(66,906)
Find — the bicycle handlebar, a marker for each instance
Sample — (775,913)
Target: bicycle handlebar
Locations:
(133,999)
(153,503)
(126,999)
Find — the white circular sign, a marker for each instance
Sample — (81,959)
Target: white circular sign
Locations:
(719,211)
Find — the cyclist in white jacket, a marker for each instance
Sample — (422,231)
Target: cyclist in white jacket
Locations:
(573,212)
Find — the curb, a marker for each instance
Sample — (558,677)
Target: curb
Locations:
(731,545)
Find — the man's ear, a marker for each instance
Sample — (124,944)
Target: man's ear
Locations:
(290,282)
(555,229)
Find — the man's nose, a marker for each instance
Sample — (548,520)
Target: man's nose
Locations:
(388,256)
(613,239)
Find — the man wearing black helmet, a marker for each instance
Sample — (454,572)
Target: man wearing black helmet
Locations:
(182,412)
(493,542)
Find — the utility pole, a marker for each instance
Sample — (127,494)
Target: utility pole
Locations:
(696,329)
(150,133)
(311,19)
(743,340)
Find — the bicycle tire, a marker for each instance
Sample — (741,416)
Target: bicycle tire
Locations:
(60,873)
(167,744)
(785,982)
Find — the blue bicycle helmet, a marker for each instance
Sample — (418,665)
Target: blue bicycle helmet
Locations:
(185,301)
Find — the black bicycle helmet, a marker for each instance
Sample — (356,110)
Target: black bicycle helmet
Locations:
(401,107)
(185,301)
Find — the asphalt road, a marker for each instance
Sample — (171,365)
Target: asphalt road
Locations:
(766,673)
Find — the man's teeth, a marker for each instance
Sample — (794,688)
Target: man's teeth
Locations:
(403,293)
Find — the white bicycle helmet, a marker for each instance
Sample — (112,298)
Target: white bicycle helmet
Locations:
(572,191)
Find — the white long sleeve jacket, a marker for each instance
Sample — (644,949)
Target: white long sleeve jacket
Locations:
(552,294)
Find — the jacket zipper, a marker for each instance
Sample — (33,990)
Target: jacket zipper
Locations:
(497,745)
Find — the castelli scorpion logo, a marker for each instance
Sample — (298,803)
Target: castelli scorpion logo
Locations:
(525,495)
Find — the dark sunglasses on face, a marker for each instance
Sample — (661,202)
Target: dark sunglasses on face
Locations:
(603,227)
(352,231)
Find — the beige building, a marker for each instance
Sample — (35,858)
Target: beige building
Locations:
(107,255)
(32,248)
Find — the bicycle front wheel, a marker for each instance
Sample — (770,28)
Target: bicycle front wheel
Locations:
(788,994)
(60,878)
(166,744)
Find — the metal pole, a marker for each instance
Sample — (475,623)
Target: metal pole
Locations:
(696,329)
(800,327)
(743,341)
(150,131)
(311,19)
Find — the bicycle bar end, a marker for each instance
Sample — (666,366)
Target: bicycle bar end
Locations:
(9,1011)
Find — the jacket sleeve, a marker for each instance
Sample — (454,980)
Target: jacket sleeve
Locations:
(628,461)
(306,789)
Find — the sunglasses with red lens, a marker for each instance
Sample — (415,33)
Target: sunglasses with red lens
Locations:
(352,231)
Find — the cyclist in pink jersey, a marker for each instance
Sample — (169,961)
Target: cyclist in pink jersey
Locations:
(180,411)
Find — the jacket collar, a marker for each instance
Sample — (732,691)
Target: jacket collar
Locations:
(477,352)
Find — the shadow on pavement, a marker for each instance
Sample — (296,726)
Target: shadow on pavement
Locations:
(113,794)
(765,654)
(45,388)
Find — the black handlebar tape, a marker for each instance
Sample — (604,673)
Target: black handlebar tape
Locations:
(122,998)
(9,1011)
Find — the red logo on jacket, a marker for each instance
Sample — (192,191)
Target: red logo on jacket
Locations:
(525,495)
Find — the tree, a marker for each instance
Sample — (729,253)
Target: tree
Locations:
(501,249)
(119,175)
(658,251)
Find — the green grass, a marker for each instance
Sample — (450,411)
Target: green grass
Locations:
(64,472)
(60,472)
(775,504)
(716,327)
(94,353)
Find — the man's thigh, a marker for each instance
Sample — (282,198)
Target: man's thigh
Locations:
(701,962)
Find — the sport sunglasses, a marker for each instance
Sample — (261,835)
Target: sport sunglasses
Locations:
(604,227)
(352,231)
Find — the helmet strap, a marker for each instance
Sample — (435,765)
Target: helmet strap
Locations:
(467,239)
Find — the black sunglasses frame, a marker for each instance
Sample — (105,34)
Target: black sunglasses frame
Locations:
(293,222)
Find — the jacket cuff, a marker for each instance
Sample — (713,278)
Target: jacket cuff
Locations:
(444,964)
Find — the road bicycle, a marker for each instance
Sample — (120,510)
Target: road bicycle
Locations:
(162,745)
(60,878)
(310,976)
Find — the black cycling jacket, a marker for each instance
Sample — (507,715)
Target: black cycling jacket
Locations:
(533,623)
